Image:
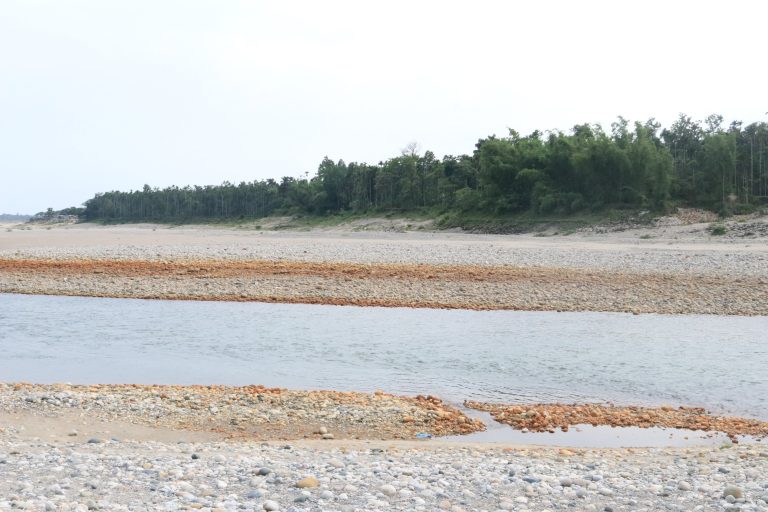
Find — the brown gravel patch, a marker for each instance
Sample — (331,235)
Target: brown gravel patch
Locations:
(248,412)
(395,285)
(551,417)
(242,269)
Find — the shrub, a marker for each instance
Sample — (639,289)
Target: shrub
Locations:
(467,199)
(717,229)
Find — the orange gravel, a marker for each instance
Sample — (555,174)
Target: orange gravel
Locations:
(550,417)
(229,268)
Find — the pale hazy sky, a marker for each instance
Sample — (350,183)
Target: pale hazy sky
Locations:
(109,94)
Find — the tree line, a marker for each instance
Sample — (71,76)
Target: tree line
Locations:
(639,165)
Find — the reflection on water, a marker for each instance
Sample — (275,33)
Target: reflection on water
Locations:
(711,361)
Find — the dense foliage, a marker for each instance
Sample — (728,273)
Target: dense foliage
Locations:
(639,166)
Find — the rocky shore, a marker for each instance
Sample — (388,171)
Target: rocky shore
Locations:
(269,414)
(252,412)
(552,417)
(73,448)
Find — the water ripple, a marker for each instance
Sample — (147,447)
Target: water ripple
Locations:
(713,361)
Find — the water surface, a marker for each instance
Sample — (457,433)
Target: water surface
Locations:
(717,362)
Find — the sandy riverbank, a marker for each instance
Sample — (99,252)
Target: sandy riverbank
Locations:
(78,448)
(247,412)
(268,414)
(118,447)
(587,272)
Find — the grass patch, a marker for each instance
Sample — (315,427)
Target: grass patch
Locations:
(527,222)
(717,229)
(409,220)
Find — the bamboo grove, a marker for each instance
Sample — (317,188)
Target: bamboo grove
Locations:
(635,166)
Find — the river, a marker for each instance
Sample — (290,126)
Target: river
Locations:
(718,362)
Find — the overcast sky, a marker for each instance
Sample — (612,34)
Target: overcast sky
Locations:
(109,95)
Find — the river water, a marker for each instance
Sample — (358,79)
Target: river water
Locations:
(717,362)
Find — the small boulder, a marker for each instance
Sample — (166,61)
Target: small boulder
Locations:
(270,505)
(388,490)
(307,482)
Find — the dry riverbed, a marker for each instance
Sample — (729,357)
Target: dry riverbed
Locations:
(107,465)
(390,285)
(125,447)
(439,270)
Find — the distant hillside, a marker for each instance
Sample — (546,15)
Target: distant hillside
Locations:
(8,217)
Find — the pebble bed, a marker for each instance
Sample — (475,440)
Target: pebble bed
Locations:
(399,285)
(735,258)
(110,474)
(580,272)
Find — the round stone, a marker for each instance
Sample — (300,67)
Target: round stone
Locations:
(271,505)
(388,490)
(307,482)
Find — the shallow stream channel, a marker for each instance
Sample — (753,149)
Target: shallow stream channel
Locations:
(716,362)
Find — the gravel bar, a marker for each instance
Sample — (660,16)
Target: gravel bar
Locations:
(679,272)
(396,285)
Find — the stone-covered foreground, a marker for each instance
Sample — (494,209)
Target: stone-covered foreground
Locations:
(95,474)
(128,447)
